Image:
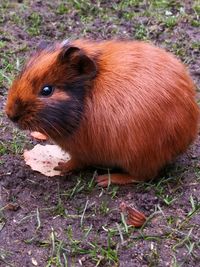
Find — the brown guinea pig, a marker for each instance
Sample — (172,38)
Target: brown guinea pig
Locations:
(124,104)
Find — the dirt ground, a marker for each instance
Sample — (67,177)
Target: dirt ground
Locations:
(71,221)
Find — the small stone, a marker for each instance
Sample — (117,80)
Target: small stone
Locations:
(34,262)
(168,13)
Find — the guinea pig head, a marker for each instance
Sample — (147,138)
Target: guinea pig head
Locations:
(48,95)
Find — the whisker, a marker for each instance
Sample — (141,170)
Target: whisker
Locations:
(38,128)
(43,130)
(45,120)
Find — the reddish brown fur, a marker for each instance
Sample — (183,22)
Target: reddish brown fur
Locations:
(140,111)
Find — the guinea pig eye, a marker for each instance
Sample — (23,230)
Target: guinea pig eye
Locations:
(47,90)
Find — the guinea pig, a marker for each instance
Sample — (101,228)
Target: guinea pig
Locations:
(123,104)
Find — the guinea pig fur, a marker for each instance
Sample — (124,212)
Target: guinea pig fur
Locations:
(124,104)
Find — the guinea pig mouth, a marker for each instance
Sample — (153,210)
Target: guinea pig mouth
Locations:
(26,124)
(32,124)
(22,125)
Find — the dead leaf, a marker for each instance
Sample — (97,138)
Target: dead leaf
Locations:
(12,206)
(134,216)
(44,158)
(39,136)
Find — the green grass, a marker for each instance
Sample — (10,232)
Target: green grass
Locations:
(62,9)
(60,251)
(15,145)
(4,254)
(35,21)
(11,64)
(141,32)
(196,7)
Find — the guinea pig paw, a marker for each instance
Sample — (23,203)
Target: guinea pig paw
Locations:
(102,180)
(115,178)
(63,167)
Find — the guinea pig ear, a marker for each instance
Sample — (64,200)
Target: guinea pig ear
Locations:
(83,65)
